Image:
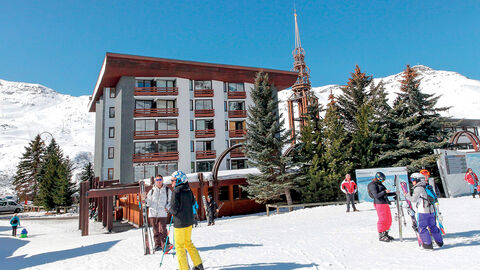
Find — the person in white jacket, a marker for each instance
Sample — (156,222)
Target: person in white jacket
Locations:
(158,201)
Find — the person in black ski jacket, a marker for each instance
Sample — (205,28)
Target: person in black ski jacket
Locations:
(212,210)
(181,207)
(379,193)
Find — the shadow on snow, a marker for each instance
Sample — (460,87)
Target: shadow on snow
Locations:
(470,238)
(225,246)
(9,245)
(268,266)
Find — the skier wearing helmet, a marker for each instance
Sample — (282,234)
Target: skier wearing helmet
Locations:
(379,193)
(181,207)
(426,213)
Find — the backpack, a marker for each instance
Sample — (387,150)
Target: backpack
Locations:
(14,221)
(431,195)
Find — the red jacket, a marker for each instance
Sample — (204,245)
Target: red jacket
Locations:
(469,178)
(348,187)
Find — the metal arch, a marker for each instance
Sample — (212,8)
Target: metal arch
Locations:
(470,135)
(220,158)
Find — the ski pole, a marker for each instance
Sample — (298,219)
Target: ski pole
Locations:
(166,241)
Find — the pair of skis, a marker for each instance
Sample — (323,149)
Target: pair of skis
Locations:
(399,216)
(411,212)
(146,233)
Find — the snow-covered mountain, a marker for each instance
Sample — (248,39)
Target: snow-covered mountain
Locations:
(456,90)
(30,109)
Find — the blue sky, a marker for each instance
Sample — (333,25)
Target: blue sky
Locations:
(61,44)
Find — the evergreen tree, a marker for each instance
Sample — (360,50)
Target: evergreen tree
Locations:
(417,122)
(26,179)
(354,96)
(50,176)
(65,187)
(265,140)
(362,140)
(87,173)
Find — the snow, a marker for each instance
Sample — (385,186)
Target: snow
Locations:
(313,238)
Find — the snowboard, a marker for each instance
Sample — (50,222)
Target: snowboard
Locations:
(399,216)
(411,212)
(145,230)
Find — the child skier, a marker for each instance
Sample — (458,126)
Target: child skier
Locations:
(379,193)
(426,213)
(472,179)
(212,210)
(349,188)
(14,222)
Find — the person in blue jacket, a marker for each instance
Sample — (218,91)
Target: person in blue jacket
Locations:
(15,222)
(195,214)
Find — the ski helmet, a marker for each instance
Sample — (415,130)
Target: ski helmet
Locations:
(180,176)
(416,177)
(425,172)
(380,176)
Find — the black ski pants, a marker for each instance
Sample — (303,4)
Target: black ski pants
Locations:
(14,230)
(351,199)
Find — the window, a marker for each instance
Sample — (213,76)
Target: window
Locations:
(110,152)
(225,107)
(111,132)
(192,167)
(191,125)
(226,125)
(236,192)
(167,124)
(164,104)
(145,83)
(192,146)
(234,142)
(204,146)
(191,85)
(113,93)
(238,164)
(203,104)
(165,83)
(224,193)
(143,104)
(167,168)
(225,87)
(144,172)
(204,124)
(111,112)
(110,173)
(167,146)
(236,87)
(204,166)
(145,147)
(191,105)
(228,164)
(203,85)
(236,105)
(237,125)
(145,125)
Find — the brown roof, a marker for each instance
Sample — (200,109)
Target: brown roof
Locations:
(117,65)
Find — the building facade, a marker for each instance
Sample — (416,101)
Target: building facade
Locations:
(156,116)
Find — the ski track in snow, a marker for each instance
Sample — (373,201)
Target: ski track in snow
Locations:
(314,238)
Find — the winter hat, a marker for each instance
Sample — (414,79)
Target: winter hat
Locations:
(180,176)
(425,172)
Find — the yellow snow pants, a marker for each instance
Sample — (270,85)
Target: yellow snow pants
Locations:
(183,241)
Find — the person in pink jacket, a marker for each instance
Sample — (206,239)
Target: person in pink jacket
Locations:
(472,179)
(349,188)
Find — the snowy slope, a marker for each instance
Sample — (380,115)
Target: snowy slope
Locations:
(456,90)
(315,238)
(29,109)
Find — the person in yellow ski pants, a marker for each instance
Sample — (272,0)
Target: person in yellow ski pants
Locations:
(183,242)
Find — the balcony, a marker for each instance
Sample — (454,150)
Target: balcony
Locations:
(237,133)
(206,133)
(237,95)
(152,157)
(155,134)
(156,112)
(237,114)
(155,91)
(203,93)
(205,113)
(237,153)
(209,154)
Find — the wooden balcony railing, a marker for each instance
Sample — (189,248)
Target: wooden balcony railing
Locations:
(237,114)
(210,154)
(237,153)
(159,156)
(205,113)
(206,133)
(203,93)
(155,91)
(156,112)
(155,134)
(237,133)
(237,95)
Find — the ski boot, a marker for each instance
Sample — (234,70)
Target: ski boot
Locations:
(382,236)
(439,244)
(198,267)
(389,237)
(427,246)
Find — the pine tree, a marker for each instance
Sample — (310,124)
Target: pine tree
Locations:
(362,140)
(265,140)
(50,176)
(87,173)
(417,122)
(353,96)
(65,187)
(26,178)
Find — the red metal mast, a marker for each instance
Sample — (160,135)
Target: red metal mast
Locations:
(301,88)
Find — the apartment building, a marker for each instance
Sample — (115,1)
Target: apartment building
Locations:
(155,115)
